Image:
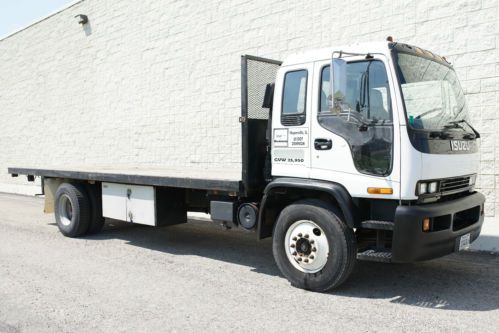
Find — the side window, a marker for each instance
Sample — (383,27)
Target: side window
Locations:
(294,98)
(365,119)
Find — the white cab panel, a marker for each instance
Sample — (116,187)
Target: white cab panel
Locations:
(130,203)
(449,165)
(411,168)
(419,166)
(291,144)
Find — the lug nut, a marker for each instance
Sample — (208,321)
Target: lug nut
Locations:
(292,245)
(299,259)
(306,235)
(294,253)
(300,234)
(314,249)
(312,241)
(294,238)
(311,257)
(306,260)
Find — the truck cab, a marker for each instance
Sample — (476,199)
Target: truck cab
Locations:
(381,133)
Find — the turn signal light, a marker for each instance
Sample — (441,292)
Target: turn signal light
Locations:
(426,224)
(380,190)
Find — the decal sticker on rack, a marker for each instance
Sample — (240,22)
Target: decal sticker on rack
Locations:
(298,137)
(291,137)
(281,137)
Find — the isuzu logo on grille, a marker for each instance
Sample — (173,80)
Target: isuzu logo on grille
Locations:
(459,145)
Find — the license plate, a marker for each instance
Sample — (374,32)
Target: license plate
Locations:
(464,242)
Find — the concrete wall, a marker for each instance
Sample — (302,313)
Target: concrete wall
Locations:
(143,63)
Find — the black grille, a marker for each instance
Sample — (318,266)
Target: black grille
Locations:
(466,218)
(454,184)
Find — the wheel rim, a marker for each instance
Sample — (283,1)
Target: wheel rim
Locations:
(306,246)
(65,209)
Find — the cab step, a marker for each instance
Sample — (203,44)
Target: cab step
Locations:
(373,255)
(377,225)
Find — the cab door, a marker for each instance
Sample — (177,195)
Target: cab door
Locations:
(357,147)
(291,121)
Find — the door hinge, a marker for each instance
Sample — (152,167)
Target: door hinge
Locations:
(242,119)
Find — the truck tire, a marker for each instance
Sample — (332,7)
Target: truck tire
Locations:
(96,219)
(313,247)
(72,209)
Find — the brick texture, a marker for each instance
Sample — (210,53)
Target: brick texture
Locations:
(144,74)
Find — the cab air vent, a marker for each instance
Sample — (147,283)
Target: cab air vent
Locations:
(293,120)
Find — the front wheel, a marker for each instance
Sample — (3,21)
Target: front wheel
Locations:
(313,247)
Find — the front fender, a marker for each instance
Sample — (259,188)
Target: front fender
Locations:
(333,190)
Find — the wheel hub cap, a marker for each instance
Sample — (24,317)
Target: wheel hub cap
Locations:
(65,210)
(306,246)
(303,246)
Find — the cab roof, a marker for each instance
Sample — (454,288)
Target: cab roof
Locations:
(382,47)
(326,53)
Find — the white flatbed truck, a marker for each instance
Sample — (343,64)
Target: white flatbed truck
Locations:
(379,164)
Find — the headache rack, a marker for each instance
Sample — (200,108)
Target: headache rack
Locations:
(256,74)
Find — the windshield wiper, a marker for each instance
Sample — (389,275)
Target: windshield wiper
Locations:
(365,125)
(469,136)
(455,123)
(427,112)
(439,134)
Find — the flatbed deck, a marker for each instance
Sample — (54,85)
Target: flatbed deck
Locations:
(227,180)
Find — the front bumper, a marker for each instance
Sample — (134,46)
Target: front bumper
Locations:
(451,220)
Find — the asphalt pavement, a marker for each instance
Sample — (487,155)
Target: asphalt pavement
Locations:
(197,276)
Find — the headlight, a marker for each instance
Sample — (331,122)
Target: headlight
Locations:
(472,180)
(422,188)
(433,187)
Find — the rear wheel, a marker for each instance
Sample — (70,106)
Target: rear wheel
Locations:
(72,209)
(313,247)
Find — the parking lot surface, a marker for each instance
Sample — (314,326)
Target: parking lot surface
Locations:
(196,276)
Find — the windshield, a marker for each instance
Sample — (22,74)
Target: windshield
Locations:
(433,96)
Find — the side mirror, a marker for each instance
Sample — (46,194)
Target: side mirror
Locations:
(339,84)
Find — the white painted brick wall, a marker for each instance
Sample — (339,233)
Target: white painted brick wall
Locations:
(143,68)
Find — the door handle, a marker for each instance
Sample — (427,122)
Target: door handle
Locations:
(323,144)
